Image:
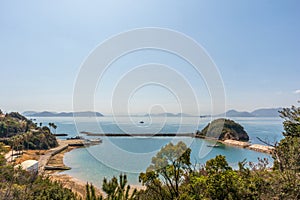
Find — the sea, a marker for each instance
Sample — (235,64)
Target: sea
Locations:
(132,155)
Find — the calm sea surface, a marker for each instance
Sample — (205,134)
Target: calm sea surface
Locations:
(133,155)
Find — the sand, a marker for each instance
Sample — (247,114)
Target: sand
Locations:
(76,185)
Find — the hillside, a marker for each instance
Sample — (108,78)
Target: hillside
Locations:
(223,129)
(21,133)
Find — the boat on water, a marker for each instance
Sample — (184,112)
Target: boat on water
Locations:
(75,138)
(92,141)
(141,122)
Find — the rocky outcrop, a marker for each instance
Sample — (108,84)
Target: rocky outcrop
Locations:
(224,129)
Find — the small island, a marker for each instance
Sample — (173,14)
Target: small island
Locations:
(224,129)
(229,132)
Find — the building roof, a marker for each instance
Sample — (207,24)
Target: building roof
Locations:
(28,163)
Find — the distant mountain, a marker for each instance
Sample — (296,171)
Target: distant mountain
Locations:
(168,115)
(39,114)
(263,112)
(266,112)
(87,114)
(62,114)
(234,113)
(28,113)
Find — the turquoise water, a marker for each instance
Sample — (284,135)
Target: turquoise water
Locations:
(133,155)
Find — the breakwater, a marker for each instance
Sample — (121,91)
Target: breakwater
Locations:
(247,145)
(139,134)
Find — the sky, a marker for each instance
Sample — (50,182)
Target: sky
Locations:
(254,44)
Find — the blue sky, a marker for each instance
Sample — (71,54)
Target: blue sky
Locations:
(255,45)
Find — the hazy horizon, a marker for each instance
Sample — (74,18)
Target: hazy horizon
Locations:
(255,46)
(139,114)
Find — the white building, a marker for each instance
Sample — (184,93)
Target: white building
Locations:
(30,165)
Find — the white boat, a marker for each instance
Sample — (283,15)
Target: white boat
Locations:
(92,141)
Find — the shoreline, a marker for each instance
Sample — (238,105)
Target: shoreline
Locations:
(70,182)
(67,181)
(245,145)
(254,147)
(54,158)
(78,186)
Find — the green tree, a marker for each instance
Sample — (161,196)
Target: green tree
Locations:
(287,157)
(118,190)
(55,127)
(286,153)
(50,125)
(221,181)
(171,163)
(291,122)
(115,190)
(90,193)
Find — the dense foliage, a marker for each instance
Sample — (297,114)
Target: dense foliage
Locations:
(215,180)
(167,170)
(223,129)
(286,154)
(15,183)
(21,133)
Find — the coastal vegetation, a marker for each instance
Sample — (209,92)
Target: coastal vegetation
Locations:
(114,189)
(22,133)
(182,180)
(16,183)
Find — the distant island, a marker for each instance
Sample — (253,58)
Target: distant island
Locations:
(263,112)
(168,115)
(62,114)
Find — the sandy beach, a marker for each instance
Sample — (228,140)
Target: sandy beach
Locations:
(70,182)
(76,185)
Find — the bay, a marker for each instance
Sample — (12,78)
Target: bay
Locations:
(132,155)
